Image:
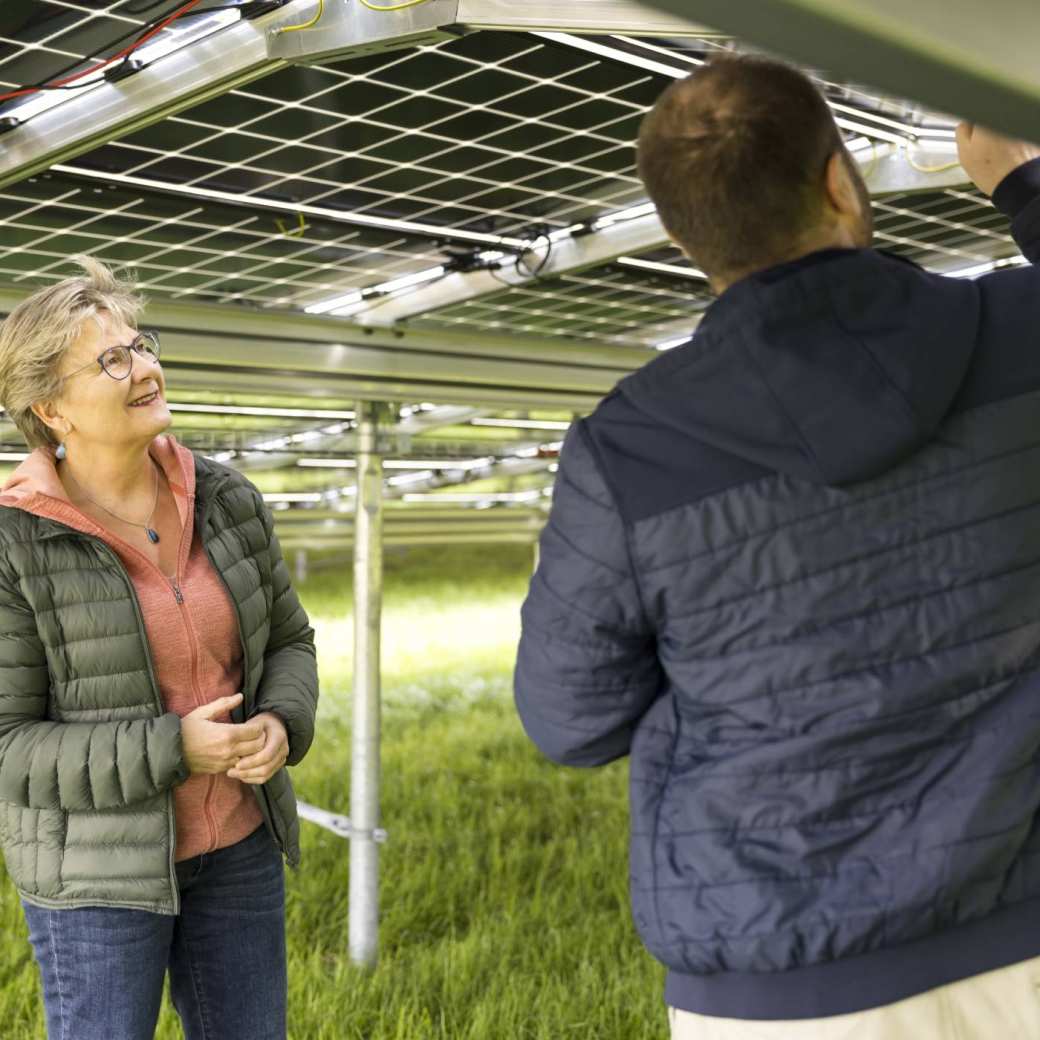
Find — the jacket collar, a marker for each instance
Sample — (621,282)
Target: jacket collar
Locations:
(831,369)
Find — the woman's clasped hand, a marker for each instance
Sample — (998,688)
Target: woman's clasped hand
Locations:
(217,747)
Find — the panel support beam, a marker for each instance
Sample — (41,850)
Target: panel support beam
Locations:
(973,62)
(287,353)
(352,30)
(887,170)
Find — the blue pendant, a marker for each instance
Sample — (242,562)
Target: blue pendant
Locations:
(153,535)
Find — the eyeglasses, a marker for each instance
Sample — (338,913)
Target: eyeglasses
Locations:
(118,362)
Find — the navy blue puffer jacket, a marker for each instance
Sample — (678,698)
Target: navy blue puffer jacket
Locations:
(793,569)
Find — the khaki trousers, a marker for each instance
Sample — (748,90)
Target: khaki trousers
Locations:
(999,1005)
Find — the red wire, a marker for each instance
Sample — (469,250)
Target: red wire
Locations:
(183,9)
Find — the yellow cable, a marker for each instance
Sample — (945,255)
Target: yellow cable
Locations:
(930,169)
(392,7)
(306,25)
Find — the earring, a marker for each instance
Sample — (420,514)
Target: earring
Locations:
(60,452)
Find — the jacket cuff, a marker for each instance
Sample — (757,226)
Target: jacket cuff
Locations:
(169,765)
(1018,195)
(1018,189)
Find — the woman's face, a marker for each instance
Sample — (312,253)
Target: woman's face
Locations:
(97,406)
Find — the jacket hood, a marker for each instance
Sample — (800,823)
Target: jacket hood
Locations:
(36,480)
(832,368)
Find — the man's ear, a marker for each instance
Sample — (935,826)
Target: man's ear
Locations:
(841,193)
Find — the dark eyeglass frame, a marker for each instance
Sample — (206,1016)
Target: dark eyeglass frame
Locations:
(143,342)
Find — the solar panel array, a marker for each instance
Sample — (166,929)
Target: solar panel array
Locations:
(491,133)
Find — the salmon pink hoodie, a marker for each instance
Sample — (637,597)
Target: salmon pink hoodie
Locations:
(195,644)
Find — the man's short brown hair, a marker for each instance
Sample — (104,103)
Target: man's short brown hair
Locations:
(734,158)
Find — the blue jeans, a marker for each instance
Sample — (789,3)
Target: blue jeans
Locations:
(103,968)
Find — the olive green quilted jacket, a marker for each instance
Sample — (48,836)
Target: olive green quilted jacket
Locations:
(88,755)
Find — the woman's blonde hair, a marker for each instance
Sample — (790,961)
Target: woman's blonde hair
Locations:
(36,334)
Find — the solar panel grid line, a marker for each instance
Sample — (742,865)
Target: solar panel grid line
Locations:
(927,247)
(438,204)
(944,221)
(615,298)
(924,232)
(534,82)
(152,263)
(188,268)
(221,229)
(479,143)
(336,186)
(640,290)
(47,202)
(108,12)
(930,224)
(42,44)
(327,289)
(15,84)
(262,263)
(50,233)
(90,219)
(64,31)
(249,273)
(60,257)
(338,156)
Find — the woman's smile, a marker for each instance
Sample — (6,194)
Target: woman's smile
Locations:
(143,402)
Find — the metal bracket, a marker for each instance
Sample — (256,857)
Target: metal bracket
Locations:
(349,30)
(339,825)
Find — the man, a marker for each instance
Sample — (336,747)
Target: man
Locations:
(793,569)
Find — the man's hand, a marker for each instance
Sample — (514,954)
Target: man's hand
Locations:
(988,157)
(213,747)
(258,768)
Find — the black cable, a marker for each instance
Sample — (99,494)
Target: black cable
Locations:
(521,261)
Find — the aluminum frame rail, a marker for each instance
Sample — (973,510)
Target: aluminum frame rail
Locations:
(350,30)
(975,62)
(285,352)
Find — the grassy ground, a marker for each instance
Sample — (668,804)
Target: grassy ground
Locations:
(504,897)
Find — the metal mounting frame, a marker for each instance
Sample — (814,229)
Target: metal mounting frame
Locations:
(976,63)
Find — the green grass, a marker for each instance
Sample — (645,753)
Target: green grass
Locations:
(504,903)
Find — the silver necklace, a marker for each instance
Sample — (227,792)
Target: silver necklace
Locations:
(153,535)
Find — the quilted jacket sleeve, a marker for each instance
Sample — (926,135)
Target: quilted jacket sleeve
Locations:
(289,685)
(587,667)
(71,765)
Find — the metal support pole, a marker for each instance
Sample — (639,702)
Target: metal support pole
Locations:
(364,775)
(301,565)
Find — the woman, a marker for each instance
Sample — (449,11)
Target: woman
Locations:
(157,672)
